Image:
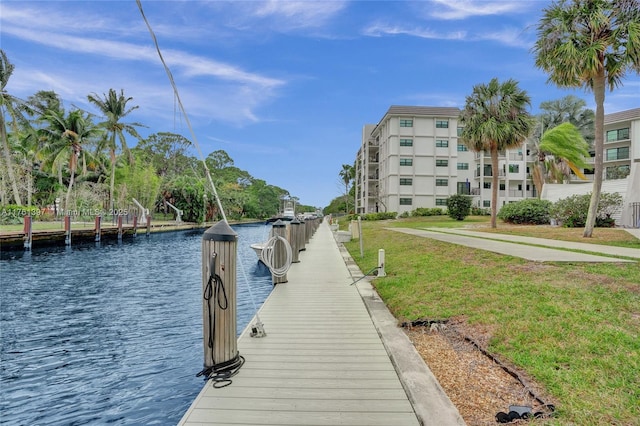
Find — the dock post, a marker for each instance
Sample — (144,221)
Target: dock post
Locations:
(148,225)
(307,230)
(135,225)
(219,252)
(98,228)
(294,239)
(28,232)
(119,227)
(301,234)
(67,230)
(381,272)
(279,229)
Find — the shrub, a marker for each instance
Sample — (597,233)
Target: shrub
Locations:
(572,211)
(424,211)
(459,206)
(480,211)
(530,211)
(374,216)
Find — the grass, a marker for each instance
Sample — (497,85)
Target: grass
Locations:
(572,327)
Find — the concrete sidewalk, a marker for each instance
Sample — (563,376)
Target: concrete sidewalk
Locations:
(598,249)
(514,247)
(333,355)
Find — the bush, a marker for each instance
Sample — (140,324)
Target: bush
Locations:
(424,211)
(374,216)
(530,211)
(572,211)
(480,211)
(459,206)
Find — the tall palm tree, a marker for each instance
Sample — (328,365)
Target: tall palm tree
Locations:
(9,105)
(114,108)
(569,150)
(569,109)
(590,44)
(494,119)
(64,137)
(346,175)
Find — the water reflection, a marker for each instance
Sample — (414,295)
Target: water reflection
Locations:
(111,334)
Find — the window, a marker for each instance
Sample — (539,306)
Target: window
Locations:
(486,203)
(442,182)
(442,163)
(617,135)
(486,185)
(405,201)
(406,161)
(618,153)
(406,181)
(442,124)
(441,201)
(514,168)
(406,123)
(462,148)
(459,131)
(440,143)
(502,187)
(464,188)
(406,142)
(463,166)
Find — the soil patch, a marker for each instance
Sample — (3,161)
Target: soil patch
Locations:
(477,383)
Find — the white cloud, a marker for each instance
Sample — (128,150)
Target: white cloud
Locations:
(462,9)
(380,29)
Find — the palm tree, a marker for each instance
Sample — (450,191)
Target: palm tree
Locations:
(569,150)
(64,139)
(590,44)
(346,175)
(569,109)
(8,105)
(495,119)
(114,107)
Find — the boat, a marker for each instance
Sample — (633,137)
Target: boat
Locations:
(257,247)
(287,214)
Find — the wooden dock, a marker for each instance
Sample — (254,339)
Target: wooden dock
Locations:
(322,361)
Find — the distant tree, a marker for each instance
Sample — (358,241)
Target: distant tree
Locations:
(114,108)
(347,174)
(9,105)
(495,119)
(590,44)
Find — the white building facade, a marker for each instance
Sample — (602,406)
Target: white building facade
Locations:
(412,158)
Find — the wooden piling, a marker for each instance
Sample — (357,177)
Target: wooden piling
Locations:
(98,228)
(279,251)
(67,230)
(119,227)
(294,239)
(28,232)
(219,252)
(302,230)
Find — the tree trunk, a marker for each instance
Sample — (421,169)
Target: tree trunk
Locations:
(8,162)
(598,91)
(112,186)
(494,185)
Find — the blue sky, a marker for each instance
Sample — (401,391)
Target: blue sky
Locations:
(283,87)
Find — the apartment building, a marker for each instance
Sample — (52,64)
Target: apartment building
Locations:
(412,158)
(621,171)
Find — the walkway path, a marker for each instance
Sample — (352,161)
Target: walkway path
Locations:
(526,247)
(323,361)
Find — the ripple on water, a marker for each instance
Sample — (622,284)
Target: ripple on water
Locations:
(111,334)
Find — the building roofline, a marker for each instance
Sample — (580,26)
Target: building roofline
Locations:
(627,115)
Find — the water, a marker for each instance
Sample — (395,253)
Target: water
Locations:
(111,334)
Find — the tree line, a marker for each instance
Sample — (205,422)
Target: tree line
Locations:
(74,160)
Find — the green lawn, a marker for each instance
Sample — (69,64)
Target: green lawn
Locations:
(573,327)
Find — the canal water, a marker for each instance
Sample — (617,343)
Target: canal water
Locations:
(111,334)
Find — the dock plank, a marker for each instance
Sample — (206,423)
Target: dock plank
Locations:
(322,361)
